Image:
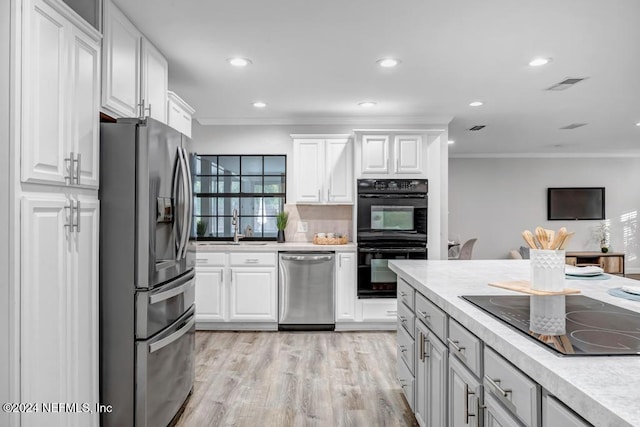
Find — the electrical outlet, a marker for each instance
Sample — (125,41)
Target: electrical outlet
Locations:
(303,227)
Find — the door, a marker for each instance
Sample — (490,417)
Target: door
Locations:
(309,170)
(339,167)
(210,294)
(436,353)
(155,80)
(44,155)
(375,154)
(84,109)
(346,287)
(121,64)
(252,294)
(407,150)
(464,396)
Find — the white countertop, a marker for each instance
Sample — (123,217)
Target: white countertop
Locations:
(271,246)
(605,390)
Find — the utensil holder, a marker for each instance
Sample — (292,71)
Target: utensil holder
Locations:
(547,270)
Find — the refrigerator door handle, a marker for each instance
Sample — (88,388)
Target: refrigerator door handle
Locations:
(177,232)
(162,296)
(190,200)
(160,344)
(182,251)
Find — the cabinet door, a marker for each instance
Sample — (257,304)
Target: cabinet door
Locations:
(495,415)
(210,294)
(45,56)
(83,308)
(155,82)
(464,395)
(121,63)
(436,353)
(252,294)
(339,171)
(308,155)
(407,151)
(422,377)
(555,414)
(45,362)
(612,264)
(375,154)
(84,109)
(346,287)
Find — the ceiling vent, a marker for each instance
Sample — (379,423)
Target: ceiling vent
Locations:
(477,127)
(565,84)
(573,126)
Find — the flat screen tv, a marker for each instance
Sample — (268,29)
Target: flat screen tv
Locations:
(575,203)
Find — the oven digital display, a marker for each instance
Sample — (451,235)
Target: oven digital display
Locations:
(392,217)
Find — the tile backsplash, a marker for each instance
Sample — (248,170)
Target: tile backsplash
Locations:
(319,219)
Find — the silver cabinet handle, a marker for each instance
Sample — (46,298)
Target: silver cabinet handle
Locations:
(427,351)
(402,319)
(455,346)
(403,349)
(69,162)
(69,215)
(467,393)
(495,385)
(328,195)
(392,312)
(319,195)
(397,165)
(77,168)
(202,260)
(158,345)
(424,314)
(403,294)
(141,105)
(420,346)
(307,257)
(252,261)
(77,223)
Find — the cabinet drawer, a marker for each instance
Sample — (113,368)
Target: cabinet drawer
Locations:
(432,316)
(465,346)
(210,259)
(383,310)
(406,346)
(406,379)
(511,387)
(252,258)
(406,319)
(406,293)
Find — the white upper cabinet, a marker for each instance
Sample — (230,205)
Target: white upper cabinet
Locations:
(154,83)
(323,169)
(136,74)
(121,61)
(60,102)
(392,153)
(179,114)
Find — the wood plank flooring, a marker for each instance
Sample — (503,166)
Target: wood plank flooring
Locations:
(285,379)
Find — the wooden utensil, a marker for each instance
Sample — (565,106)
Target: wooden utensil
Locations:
(565,242)
(550,238)
(541,235)
(528,237)
(559,238)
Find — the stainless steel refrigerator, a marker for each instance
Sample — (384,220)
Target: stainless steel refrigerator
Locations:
(147,279)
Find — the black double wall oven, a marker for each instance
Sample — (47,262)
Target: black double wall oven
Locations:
(391,224)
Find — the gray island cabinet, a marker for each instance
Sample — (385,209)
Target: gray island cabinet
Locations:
(460,366)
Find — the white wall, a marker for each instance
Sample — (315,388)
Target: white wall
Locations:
(5,348)
(494,199)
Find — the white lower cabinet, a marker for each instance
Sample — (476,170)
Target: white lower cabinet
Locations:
(59,305)
(465,392)
(345,287)
(253,294)
(236,287)
(555,414)
(496,416)
(431,378)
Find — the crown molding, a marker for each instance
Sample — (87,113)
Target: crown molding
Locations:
(293,121)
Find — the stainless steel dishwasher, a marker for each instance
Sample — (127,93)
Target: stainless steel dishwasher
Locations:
(306,287)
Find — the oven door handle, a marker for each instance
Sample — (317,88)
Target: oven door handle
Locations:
(392,196)
(160,344)
(391,250)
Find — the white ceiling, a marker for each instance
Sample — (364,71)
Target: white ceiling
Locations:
(313,61)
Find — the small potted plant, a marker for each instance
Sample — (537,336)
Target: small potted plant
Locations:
(603,234)
(201,228)
(281,223)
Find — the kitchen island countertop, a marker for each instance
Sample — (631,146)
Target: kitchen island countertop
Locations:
(270,246)
(605,390)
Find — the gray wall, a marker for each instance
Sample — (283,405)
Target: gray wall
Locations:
(494,199)
(5,348)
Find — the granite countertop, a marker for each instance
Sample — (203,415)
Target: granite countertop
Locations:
(605,390)
(270,247)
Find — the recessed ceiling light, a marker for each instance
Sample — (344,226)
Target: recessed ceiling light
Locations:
(538,62)
(367,104)
(451,141)
(638,124)
(388,62)
(259,104)
(476,103)
(239,62)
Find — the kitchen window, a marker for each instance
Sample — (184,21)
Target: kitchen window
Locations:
(255,185)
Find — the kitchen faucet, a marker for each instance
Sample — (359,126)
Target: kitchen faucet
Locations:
(236,236)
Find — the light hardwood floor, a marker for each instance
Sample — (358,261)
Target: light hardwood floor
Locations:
(285,379)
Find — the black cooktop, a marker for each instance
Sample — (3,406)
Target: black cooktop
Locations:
(572,325)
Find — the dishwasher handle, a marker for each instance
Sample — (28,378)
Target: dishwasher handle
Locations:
(307,257)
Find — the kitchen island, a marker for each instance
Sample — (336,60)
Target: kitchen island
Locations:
(604,390)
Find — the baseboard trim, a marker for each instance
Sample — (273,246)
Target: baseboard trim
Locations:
(366,326)
(236,326)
